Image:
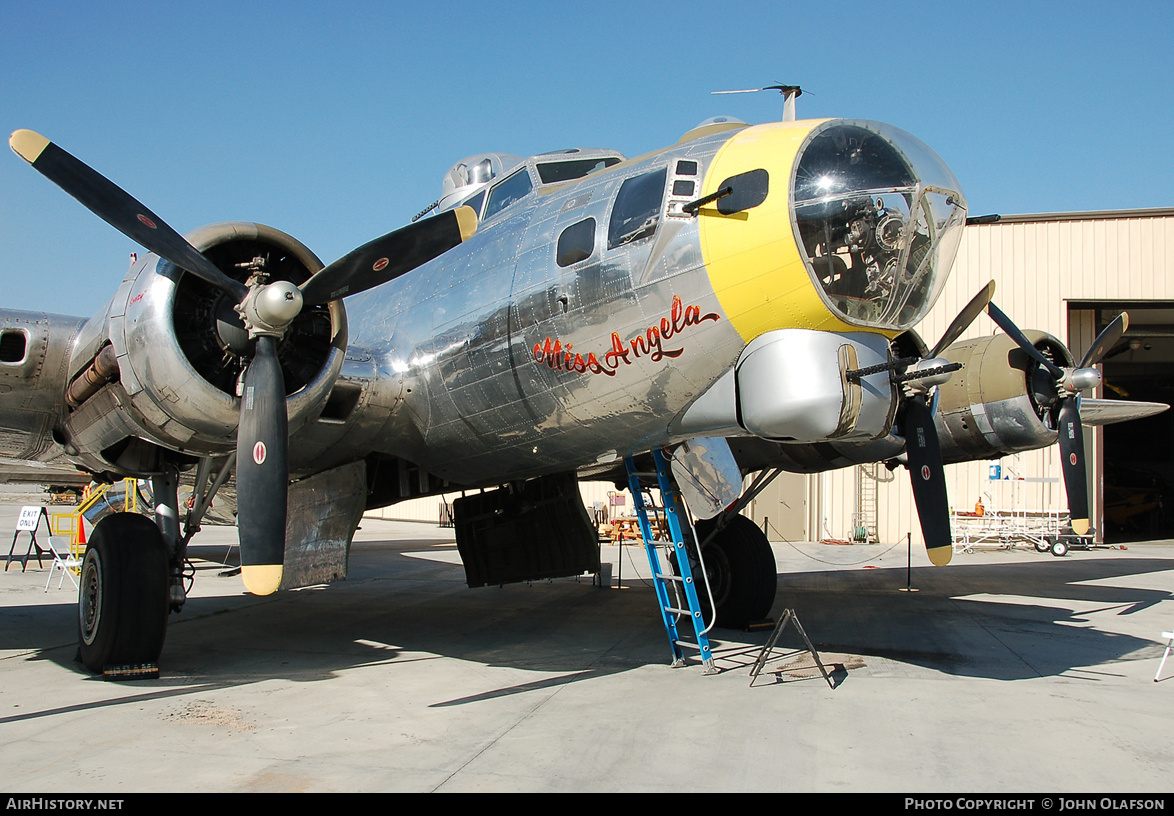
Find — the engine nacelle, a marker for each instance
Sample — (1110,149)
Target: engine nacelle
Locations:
(1001,401)
(181,348)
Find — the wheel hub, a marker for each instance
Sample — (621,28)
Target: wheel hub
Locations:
(90,606)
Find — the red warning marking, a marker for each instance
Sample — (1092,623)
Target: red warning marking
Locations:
(380,264)
(259,453)
(147,221)
(925,473)
(1072,458)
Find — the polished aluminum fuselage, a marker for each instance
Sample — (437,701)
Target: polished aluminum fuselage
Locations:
(500,364)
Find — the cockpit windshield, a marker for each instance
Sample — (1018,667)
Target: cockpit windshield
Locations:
(879,217)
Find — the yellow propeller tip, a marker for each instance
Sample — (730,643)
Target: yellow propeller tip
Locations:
(940,556)
(466,222)
(27,144)
(262,579)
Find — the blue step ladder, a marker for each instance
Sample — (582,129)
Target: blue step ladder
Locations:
(679,609)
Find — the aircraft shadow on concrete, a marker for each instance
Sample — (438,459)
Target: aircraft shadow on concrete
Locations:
(979,620)
(397,606)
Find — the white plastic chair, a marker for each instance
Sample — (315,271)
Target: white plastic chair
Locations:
(66,563)
(1169,636)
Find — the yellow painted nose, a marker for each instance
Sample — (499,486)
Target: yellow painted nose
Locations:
(752,256)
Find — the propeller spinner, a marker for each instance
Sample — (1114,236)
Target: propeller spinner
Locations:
(267,309)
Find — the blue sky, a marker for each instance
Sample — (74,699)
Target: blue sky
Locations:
(335,121)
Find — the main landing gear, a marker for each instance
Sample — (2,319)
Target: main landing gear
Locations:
(732,577)
(123,600)
(740,570)
(133,576)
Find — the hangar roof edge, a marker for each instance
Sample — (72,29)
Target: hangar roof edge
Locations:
(1091,215)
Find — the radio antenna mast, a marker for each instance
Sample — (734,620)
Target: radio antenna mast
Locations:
(789,93)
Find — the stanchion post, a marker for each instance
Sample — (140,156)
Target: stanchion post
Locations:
(908,564)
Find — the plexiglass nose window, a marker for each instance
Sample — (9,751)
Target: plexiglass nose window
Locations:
(879,217)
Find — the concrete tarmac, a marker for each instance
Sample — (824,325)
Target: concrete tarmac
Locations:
(1007,671)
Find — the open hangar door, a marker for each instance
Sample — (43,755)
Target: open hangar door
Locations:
(1135,460)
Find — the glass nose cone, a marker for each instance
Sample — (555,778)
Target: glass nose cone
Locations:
(878,216)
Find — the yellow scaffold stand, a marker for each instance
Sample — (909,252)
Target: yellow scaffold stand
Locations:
(71,525)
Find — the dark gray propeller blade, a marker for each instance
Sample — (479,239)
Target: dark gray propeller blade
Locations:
(923,451)
(965,317)
(1007,325)
(1069,383)
(1105,341)
(1072,464)
(389,257)
(262,470)
(924,454)
(118,208)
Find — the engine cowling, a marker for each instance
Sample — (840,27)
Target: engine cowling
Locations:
(181,347)
(1001,401)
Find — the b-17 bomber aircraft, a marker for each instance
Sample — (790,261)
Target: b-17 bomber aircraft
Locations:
(740,301)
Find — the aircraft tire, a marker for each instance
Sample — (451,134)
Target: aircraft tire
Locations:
(742,572)
(123,599)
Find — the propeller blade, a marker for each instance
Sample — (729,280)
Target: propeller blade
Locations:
(262,471)
(965,317)
(118,208)
(1072,464)
(1005,323)
(924,454)
(392,255)
(1105,341)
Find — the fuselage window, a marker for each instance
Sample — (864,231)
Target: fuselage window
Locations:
(13,347)
(475,202)
(507,192)
(749,190)
(576,243)
(555,172)
(637,209)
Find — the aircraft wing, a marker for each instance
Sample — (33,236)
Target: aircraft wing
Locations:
(1105,412)
(15,471)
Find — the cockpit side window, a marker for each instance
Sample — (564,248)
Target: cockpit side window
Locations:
(475,202)
(507,192)
(556,172)
(636,212)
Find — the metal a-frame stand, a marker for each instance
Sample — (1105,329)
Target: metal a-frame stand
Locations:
(671,609)
(30,522)
(789,616)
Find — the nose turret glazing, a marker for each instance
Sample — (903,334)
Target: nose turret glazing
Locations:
(878,216)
